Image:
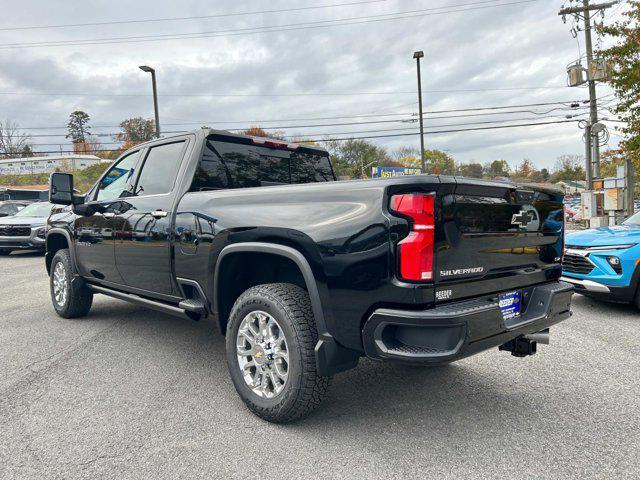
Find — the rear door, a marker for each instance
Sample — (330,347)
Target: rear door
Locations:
(492,238)
(143,251)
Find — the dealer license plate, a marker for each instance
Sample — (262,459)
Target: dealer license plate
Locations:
(509,304)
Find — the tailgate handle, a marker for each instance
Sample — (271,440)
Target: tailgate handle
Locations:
(159,214)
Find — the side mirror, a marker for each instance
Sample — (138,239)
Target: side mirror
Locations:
(61,189)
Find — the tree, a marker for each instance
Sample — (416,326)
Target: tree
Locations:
(354,158)
(438,162)
(12,142)
(135,130)
(473,170)
(497,168)
(624,56)
(407,156)
(569,167)
(259,132)
(78,127)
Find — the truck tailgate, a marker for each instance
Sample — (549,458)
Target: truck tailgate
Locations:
(492,238)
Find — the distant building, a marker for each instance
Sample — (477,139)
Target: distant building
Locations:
(21,166)
(572,186)
(25,192)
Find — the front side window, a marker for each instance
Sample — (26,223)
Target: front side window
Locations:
(116,182)
(160,169)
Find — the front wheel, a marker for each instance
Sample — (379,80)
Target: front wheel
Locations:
(71,299)
(271,336)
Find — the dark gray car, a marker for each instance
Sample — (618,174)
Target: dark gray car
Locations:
(26,230)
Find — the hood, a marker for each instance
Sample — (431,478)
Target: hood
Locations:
(31,221)
(603,236)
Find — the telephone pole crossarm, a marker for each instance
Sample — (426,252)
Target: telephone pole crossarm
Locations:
(595,6)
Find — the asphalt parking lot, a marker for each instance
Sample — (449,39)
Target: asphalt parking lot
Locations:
(131,393)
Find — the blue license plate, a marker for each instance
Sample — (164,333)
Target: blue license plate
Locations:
(509,305)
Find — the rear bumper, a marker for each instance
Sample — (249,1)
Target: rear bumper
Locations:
(457,330)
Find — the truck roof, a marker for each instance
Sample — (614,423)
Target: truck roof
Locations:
(205,132)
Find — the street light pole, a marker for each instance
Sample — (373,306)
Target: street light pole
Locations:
(418,55)
(150,70)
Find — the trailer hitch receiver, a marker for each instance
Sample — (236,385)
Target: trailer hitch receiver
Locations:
(520,347)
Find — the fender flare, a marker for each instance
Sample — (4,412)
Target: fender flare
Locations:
(67,235)
(331,357)
(284,251)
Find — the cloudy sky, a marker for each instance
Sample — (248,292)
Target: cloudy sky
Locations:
(347,63)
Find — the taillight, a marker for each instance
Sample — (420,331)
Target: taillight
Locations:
(416,250)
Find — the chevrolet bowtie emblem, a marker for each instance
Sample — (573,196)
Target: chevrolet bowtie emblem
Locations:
(521,218)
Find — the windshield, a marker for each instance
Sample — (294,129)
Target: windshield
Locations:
(9,208)
(633,219)
(41,209)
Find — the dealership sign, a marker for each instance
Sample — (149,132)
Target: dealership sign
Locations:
(386,172)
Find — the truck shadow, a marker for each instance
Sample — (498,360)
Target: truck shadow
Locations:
(373,393)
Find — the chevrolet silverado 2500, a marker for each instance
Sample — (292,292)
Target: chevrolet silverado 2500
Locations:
(304,274)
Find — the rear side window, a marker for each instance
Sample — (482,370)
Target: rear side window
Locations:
(237,165)
(160,169)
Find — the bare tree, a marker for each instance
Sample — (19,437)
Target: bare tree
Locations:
(13,143)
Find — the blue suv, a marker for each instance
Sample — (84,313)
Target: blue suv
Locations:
(603,262)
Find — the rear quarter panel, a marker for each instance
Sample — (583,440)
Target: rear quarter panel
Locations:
(340,227)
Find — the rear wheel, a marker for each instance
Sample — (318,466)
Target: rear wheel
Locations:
(71,299)
(271,338)
(4,252)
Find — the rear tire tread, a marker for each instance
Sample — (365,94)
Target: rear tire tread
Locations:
(295,301)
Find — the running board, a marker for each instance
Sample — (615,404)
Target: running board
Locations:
(145,302)
(193,305)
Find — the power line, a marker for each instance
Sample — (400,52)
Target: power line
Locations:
(378,136)
(349,134)
(199,17)
(263,29)
(364,115)
(401,129)
(322,125)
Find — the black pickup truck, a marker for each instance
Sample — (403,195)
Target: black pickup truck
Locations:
(304,274)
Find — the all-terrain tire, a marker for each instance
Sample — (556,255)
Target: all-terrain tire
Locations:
(304,388)
(70,296)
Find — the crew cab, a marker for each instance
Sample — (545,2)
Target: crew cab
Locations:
(304,274)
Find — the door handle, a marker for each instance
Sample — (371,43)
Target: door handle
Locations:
(108,215)
(159,214)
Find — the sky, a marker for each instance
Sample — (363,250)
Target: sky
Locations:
(347,62)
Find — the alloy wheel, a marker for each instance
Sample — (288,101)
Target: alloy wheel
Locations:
(60,284)
(263,355)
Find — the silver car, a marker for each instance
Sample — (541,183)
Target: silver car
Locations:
(26,230)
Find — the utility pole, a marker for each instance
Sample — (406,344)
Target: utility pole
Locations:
(587,155)
(418,55)
(584,12)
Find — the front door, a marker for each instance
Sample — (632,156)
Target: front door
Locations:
(94,235)
(143,243)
